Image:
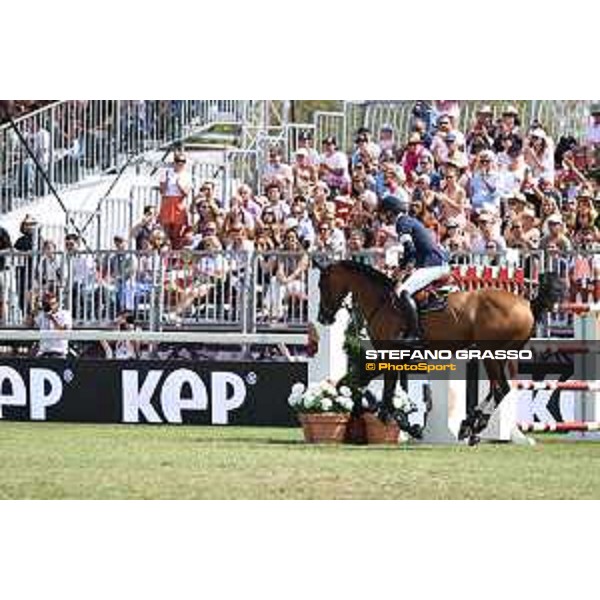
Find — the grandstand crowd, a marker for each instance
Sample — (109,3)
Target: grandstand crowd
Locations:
(500,184)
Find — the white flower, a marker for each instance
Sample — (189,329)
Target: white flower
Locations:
(401,398)
(326,404)
(328,388)
(345,391)
(295,400)
(298,388)
(345,403)
(309,401)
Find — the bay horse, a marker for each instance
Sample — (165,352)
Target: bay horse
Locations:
(486,315)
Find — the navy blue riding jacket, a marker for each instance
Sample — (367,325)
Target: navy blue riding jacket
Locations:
(420,249)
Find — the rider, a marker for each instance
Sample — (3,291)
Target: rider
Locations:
(420,252)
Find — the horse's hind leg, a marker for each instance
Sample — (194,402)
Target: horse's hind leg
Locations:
(478,419)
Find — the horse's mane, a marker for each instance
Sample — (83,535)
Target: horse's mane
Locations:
(364,269)
(376,277)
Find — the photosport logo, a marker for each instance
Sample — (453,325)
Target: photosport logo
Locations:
(434,361)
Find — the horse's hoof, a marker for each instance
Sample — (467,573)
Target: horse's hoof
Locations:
(416,432)
(481,423)
(465,431)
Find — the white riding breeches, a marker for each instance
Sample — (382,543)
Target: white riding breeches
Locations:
(423,277)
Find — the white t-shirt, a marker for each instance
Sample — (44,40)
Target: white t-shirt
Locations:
(592,135)
(44,323)
(170,178)
(124,350)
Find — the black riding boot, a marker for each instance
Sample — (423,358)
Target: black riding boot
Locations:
(411,314)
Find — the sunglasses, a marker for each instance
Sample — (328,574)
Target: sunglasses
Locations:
(180,162)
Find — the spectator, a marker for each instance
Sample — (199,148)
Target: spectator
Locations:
(208,212)
(484,184)
(439,145)
(248,202)
(39,142)
(51,317)
(305,142)
(305,227)
(592,135)
(121,271)
(539,154)
(207,193)
(509,124)
(123,349)
(330,239)
(276,203)
(81,278)
(278,174)
(452,198)
(28,242)
(305,173)
(454,239)
(365,153)
(142,231)
(483,129)
(5,248)
(387,141)
(50,270)
(488,235)
(287,288)
(555,237)
(412,155)
(174,189)
(333,167)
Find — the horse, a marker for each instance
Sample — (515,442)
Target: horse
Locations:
(486,315)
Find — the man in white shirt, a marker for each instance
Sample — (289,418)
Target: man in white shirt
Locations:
(52,318)
(278,172)
(81,274)
(592,136)
(333,169)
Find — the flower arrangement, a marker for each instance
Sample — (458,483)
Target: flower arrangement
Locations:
(323,397)
(402,402)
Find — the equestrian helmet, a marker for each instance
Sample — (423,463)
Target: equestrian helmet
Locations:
(394,204)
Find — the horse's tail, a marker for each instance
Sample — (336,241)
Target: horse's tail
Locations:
(551,290)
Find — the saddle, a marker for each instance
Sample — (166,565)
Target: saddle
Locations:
(434,297)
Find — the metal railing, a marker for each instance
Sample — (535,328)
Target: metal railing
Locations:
(244,292)
(75,139)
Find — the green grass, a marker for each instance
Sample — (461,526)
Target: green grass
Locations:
(44,460)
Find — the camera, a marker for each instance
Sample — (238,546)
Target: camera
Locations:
(127,322)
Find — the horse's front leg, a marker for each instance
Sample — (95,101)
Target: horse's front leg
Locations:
(386,408)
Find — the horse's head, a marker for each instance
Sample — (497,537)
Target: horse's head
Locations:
(332,291)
